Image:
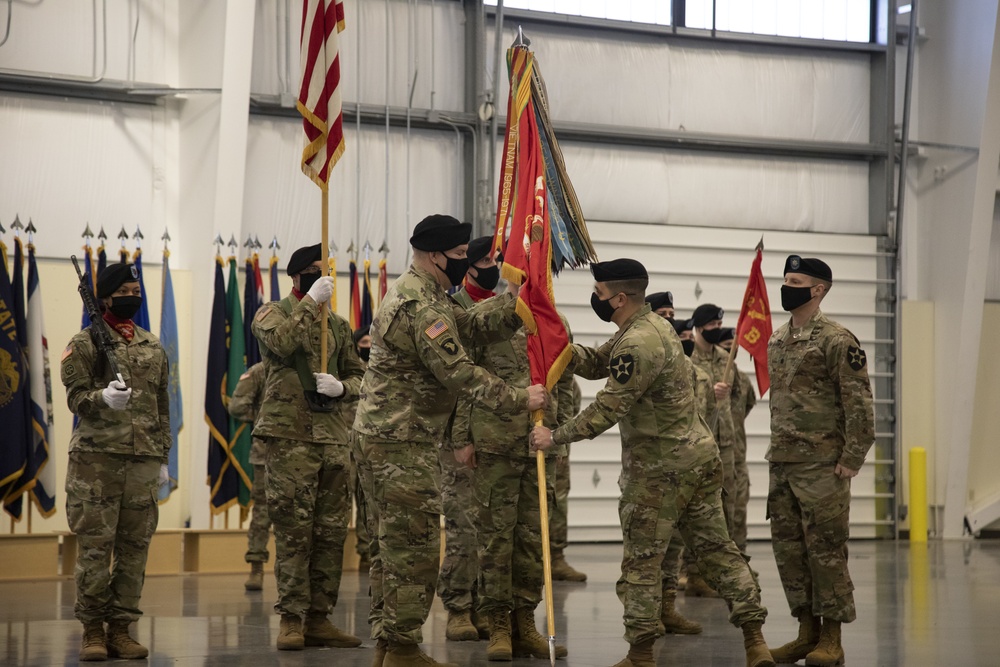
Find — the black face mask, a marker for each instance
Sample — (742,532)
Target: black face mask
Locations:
(454,269)
(795,297)
(307,280)
(602,308)
(688,346)
(364,353)
(124,307)
(712,336)
(488,278)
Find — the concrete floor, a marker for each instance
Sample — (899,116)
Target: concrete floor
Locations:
(938,605)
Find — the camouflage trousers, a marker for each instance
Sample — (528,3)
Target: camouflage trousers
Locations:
(260,520)
(362,540)
(368,514)
(809,507)
(510,530)
(456,584)
(728,456)
(690,502)
(741,496)
(309,504)
(111,506)
(406,498)
(559,510)
(671,567)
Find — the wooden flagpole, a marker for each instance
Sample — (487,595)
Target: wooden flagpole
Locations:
(325,255)
(543,506)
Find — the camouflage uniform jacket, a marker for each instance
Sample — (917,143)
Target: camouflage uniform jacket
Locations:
(284,412)
(743,400)
(245,402)
(650,393)
(143,427)
(418,366)
(821,398)
(704,392)
(714,364)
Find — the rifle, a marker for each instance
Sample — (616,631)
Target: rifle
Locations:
(98,327)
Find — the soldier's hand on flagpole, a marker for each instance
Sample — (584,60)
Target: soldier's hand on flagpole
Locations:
(540,438)
(328,385)
(321,290)
(722,390)
(116,395)
(513,288)
(538,397)
(164,479)
(466,456)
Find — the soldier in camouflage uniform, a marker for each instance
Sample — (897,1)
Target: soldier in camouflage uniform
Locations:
(709,357)
(117,459)
(460,568)
(244,405)
(304,421)
(568,401)
(743,401)
(671,473)
(363,346)
(418,367)
(822,426)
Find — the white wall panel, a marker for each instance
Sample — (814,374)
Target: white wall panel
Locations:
(717,261)
(649,82)
(364,46)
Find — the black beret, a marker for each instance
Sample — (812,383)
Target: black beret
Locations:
(809,266)
(437,233)
(303,257)
(618,269)
(659,300)
(361,333)
(728,333)
(479,248)
(706,313)
(114,276)
(680,326)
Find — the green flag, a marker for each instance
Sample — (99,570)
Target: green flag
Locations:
(239,432)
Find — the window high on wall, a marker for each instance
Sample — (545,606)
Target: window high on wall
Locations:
(838,20)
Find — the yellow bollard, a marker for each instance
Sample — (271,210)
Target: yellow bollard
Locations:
(918,494)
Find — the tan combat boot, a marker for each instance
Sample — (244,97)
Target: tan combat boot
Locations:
(639,655)
(753,641)
(828,652)
(526,640)
(801,646)
(410,655)
(460,627)
(121,645)
(290,636)
(672,620)
(482,624)
(255,581)
(319,631)
(697,587)
(381,646)
(499,648)
(563,571)
(94,644)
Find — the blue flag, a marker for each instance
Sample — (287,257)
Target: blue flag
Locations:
(253,299)
(273,270)
(88,273)
(15,404)
(40,388)
(168,339)
(366,299)
(102,262)
(141,318)
(222,476)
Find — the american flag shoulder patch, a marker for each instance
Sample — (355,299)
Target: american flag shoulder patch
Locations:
(436,329)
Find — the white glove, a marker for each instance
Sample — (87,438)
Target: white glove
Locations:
(328,385)
(322,289)
(164,475)
(116,395)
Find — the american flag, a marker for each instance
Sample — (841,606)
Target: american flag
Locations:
(319,92)
(436,329)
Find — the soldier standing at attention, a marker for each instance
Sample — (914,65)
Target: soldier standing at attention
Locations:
(363,346)
(743,400)
(569,397)
(117,459)
(671,473)
(304,421)
(418,367)
(460,567)
(244,405)
(822,426)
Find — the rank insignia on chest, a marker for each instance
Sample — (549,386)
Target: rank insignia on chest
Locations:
(449,346)
(622,367)
(856,358)
(436,329)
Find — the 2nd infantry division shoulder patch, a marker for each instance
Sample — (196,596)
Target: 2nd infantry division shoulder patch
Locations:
(622,367)
(856,358)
